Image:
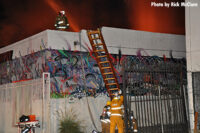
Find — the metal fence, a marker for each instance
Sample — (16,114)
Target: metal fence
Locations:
(25,98)
(153,91)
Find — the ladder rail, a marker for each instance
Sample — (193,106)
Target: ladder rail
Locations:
(94,37)
(106,50)
(96,55)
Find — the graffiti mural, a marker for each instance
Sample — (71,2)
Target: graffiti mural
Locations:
(23,68)
(72,73)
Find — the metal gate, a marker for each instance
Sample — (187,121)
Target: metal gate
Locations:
(154,94)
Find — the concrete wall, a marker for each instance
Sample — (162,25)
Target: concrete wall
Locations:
(192,50)
(62,40)
(193,37)
(80,108)
(128,40)
(27,46)
(153,43)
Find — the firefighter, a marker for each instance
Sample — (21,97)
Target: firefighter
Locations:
(116,113)
(61,21)
(105,118)
(134,127)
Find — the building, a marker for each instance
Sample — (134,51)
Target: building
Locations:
(27,88)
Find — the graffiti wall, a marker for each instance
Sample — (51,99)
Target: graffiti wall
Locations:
(23,68)
(72,73)
(76,74)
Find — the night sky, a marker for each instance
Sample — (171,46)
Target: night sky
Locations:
(20,19)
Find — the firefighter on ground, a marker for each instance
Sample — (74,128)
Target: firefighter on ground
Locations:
(61,21)
(116,113)
(134,123)
(105,118)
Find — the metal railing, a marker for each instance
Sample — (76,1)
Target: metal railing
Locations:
(154,94)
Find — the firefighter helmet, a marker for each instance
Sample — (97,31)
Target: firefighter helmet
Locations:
(62,12)
(108,103)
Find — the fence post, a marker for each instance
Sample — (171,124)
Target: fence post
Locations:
(190,100)
(125,97)
(46,102)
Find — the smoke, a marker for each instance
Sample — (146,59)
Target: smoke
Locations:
(156,19)
(20,19)
(23,20)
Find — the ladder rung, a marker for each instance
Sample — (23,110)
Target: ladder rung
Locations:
(95,38)
(93,32)
(105,67)
(103,62)
(113,89)
(100,50)
(111,84)
(97,44)
(102,56)
(109,78)
(107,73)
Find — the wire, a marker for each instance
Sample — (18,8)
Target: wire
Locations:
(90,113)
(147,49)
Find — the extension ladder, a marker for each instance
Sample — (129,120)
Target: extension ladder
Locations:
(103,60)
